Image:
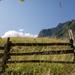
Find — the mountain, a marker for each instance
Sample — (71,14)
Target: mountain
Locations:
(60,31)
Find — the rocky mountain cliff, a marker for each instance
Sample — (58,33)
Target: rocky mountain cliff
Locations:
(60,31)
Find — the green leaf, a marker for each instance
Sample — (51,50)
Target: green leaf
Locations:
(22,0)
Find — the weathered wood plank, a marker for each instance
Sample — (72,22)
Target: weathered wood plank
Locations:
(72,40)
(41,61)
(1,48)
(39,44)
(42,53)
(6,56)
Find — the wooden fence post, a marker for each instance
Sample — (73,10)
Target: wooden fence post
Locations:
(6,54)
(72,41)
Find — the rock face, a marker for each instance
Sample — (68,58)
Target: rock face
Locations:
(60,31)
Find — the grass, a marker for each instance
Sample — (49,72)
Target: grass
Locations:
(39,68)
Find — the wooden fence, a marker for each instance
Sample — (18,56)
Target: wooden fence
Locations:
(7,55)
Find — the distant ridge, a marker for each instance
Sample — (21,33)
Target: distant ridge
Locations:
(60,31)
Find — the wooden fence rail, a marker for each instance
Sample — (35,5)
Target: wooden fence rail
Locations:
(9,44)
(40,44)
(41,61)
(41,53)
(1,48)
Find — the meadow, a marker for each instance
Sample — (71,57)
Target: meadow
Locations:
(39,68)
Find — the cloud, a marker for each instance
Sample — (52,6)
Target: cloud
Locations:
(13,33)
(21,30)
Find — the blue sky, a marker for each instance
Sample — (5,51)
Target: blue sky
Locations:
(34,15)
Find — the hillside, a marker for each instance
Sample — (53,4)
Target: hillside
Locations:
(39,68)
(60,31)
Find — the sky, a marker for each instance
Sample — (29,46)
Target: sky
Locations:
(34,15)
